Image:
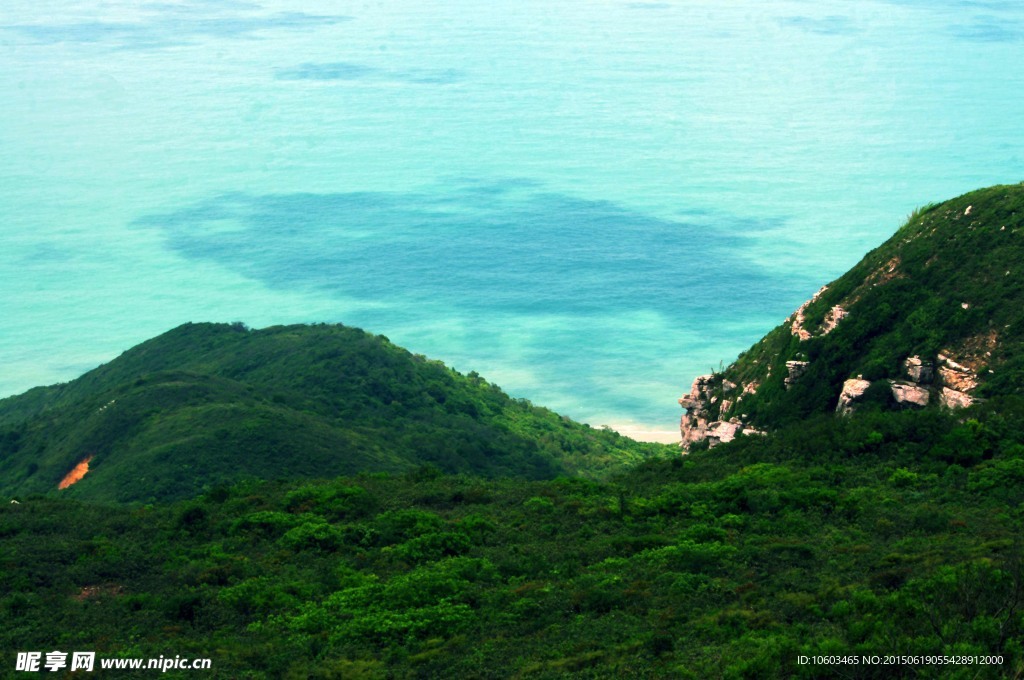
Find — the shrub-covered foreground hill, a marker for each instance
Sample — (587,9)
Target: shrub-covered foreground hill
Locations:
(880,534)
(206,404)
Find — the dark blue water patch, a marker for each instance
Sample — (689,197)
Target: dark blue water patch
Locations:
(512,250)
(427,76)
(80,32)
(333,71)
(978,21)
(343,71)
(830,25)
(169,28)
(984,21)
(989,29)
(48,254)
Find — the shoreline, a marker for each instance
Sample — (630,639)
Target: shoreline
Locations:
(645,433)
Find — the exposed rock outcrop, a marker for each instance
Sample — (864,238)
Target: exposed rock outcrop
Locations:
(853,390)
(705,417)
(696,425)
(904,393)
(797,325)
(796,369)
(700,393)
(723,431)
(955,398)
(956,376)
(706,413)
(956,380)
(832,319)
(910,394)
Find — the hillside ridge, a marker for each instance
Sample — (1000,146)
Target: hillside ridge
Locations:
(207,404)
(932,318)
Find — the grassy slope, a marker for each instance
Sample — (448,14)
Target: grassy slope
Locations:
(205,404)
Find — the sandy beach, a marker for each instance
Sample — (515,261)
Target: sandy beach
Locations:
(642,433)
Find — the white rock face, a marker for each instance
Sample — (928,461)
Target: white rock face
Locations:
(853,390)
(910,394)
(693,426)
(797,325)
(723,431)
(693,429)
(696,424)
(832,319)
(955,399)
(956,376)
(700,392)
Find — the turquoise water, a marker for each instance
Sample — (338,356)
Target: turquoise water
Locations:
(587,202)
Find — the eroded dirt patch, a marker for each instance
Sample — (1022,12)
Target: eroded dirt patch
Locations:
(76,474)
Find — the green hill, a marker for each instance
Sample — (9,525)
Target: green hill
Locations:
(208,404)
(934,316)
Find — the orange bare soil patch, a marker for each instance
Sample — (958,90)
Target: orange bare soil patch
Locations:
(76,474)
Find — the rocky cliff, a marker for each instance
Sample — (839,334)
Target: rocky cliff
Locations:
(932,318)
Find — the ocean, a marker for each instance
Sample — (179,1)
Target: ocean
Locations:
(587,202)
